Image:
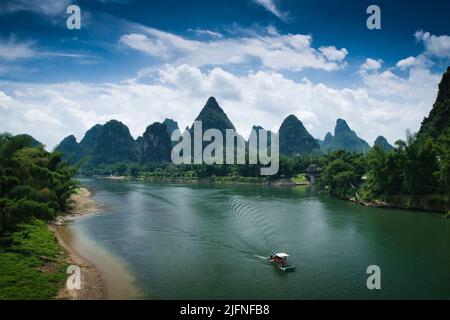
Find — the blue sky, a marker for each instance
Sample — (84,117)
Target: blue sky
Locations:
(142,61)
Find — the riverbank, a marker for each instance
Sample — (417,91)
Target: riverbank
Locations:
(91,281)
(429,203)
(219,180)
(92,287)
(81,205)
(34,259)
(225,180)
(103,276)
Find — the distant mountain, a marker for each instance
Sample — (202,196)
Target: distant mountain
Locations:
(171,126)
(102,144)
(438,120)
(90,139)
(71,151)
(114,144)
(383,144)
(156,146)
(345,139)
(258,129)
(213,117)
(138,142)
(295,139)
(326,140)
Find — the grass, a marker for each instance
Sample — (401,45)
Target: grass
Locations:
(239,179)
(32,264)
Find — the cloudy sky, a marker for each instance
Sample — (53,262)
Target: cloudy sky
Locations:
(142,61)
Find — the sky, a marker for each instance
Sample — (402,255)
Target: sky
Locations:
(140,62)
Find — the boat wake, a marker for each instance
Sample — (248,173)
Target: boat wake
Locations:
(251,222)
(261,257)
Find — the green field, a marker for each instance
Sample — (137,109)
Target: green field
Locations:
(32,263)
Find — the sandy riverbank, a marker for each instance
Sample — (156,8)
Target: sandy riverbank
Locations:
(103,276)
(92,287)
(91,281)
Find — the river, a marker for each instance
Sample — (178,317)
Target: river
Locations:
(207,242)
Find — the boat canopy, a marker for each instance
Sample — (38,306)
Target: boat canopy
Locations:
(281,255)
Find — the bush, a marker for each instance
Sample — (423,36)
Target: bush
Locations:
(23,192)
(33,182)
(29,208)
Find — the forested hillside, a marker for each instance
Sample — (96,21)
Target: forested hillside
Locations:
(33,182)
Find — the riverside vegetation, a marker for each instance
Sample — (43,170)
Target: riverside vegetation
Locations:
(35,187)
(415,174)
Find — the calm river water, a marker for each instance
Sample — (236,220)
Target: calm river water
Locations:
(206,242)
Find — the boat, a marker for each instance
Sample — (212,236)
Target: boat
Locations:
(279,260)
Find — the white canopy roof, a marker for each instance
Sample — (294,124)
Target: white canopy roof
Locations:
(282,255)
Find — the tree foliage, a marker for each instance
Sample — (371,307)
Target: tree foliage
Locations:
(33,182)
(415,168)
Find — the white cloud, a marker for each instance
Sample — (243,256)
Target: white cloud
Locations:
(206,32)
(259,98)
(419,85)
(406,63)
(142,43)
(36,116)
(370,65)
(438,46)
(12,50)
(272,30)
(46,7)
(270,6)
(334,54)
(278,52)
(5,101)
(387,102)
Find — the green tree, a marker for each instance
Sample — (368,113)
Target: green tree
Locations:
(33,182)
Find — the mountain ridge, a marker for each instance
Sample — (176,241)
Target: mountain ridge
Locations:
(112,142)
(346,139)
(295,139)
